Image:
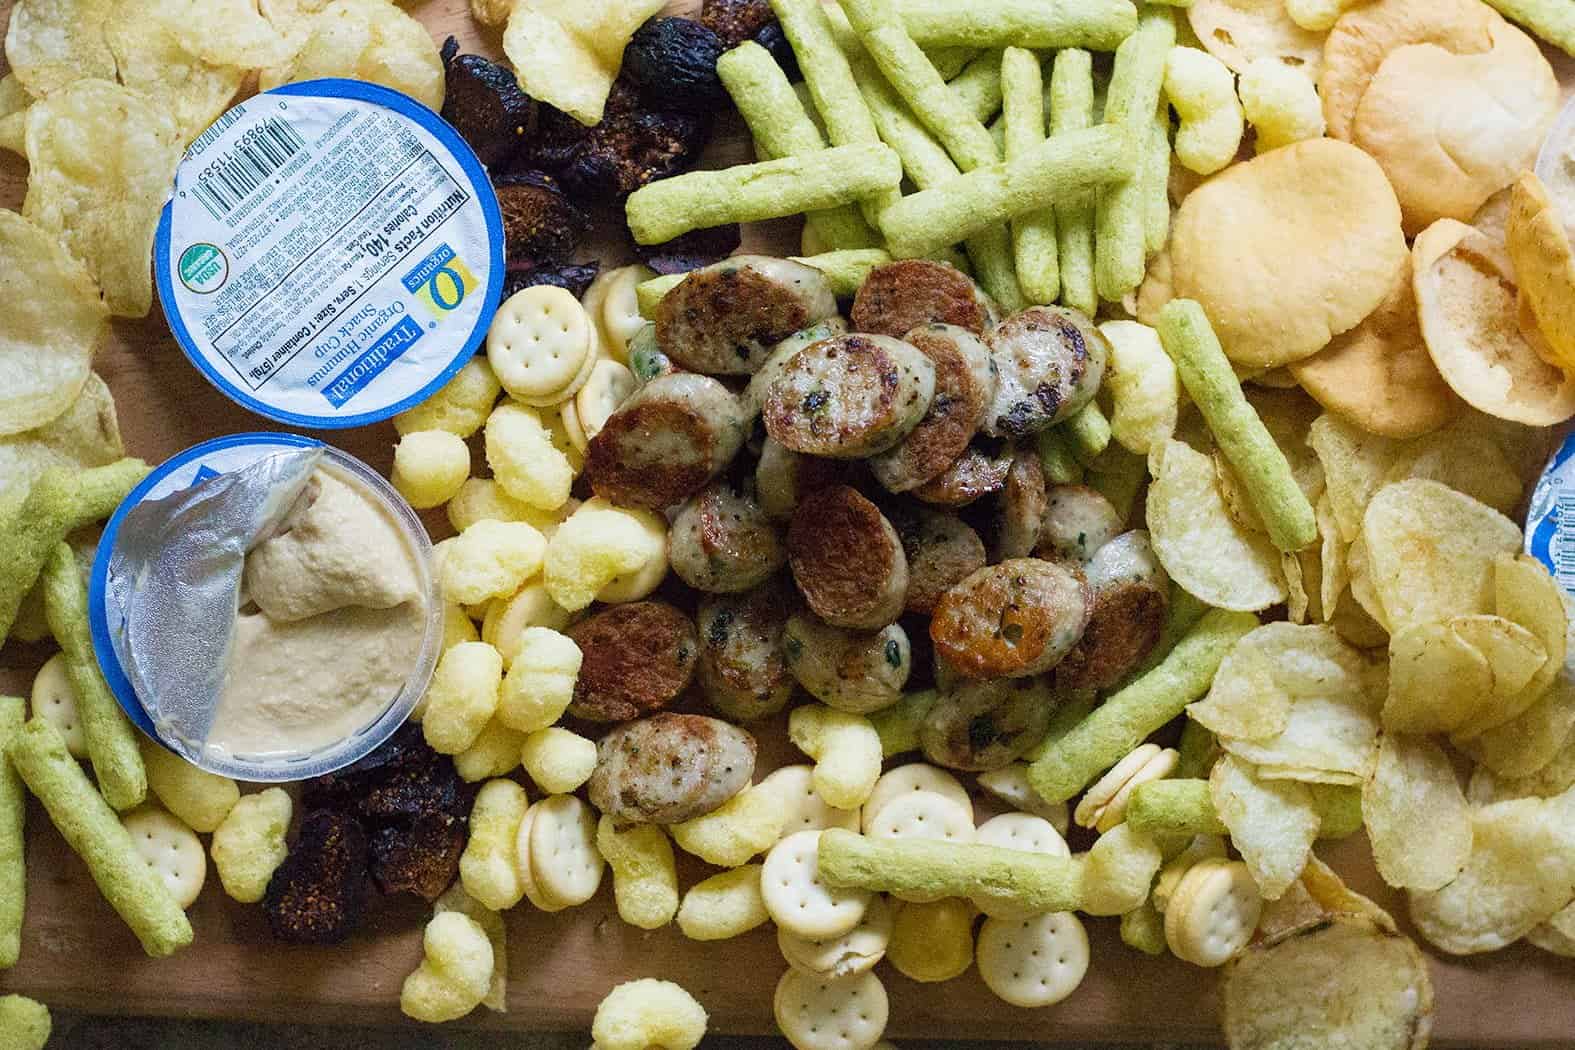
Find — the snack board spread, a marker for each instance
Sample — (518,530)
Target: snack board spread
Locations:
(1332,448)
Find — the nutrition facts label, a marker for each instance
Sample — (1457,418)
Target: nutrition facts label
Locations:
(332,252)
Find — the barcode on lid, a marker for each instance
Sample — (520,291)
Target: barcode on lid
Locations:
(231,178)
(1563,546)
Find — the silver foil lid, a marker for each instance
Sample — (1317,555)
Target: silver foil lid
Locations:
(175,573)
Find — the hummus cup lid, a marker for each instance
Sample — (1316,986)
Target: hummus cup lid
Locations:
(211,459)
(331,253)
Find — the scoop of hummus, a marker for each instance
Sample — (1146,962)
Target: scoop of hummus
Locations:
(335,549)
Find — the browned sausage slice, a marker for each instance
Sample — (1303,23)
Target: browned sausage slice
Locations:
(1022,507)
(847,559)
(911,292)
(724,319)
(670,768)
(721,541)
(979,726)
(783,478)
(942,551)
(665,442)
(849,397)
(637,658)
(1009,620)
(1077,521)
(964,386)
(979,471)
(743,665)
(1050,361)
(1131,598)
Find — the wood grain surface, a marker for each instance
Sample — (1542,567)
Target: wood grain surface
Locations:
(77,954)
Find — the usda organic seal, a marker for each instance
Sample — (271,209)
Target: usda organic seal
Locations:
(331,255)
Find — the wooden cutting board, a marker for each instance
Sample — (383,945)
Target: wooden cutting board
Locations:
(76,953)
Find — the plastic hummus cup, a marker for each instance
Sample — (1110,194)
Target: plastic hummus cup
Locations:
(289,700)
(332,253)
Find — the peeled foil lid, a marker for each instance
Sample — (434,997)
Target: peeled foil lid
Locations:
(175,573)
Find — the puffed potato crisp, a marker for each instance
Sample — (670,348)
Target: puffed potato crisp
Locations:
(1238,31)
(100,161)
(52,322)
(1539,246)
(1315,249)
(1470,313)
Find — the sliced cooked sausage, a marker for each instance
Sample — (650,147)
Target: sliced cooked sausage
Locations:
(1131,597)
(849,397)
(783,478)
(964,387)
(856,671)
(1009,620)
(670,768)
(980,726)
(665,442)
(1021,512)
(847,560)
(979,471)
(725,318)
(1077,522)
(942,551)
(912,292)
(743,664)
(754,395)
(721,541)
(636,659)
(1050,361)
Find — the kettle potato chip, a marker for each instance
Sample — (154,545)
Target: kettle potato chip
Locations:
(1430,551)
(1342,982)
(53,43)
(52,323)
(150,59)
(1272,822)
(1466,296)
(1438,679)
(366,40)
(101,159)
(87,434)
(1200,545)
(567,52)
(1416,815)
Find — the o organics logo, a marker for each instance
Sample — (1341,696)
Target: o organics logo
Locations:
(203,268)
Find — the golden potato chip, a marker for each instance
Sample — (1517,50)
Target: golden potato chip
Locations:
(1557,935)
(1368,33)
(1333,576)
(1554,778)
(1343,983)
(1379,375)
(100,162)
(1355,463)
(1270,671)
(1520,873)
(1204,551)
(1272,822)
(1529,742)
(86,435)
(1438,680)
(1330,727)
(151,60)
(53,43)
(1326,887)
(567,52)
(14,98)
(1239,31)
(1467,298)
(1430,551)
(1467,462)
(368,40)
(51,325)
(1355,624)
(1296,600)
(1539,246)
(13,133)
(1527,596)
(1493,217)
(1322,251)
(224,32)
(1416,815)
(1440,165)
